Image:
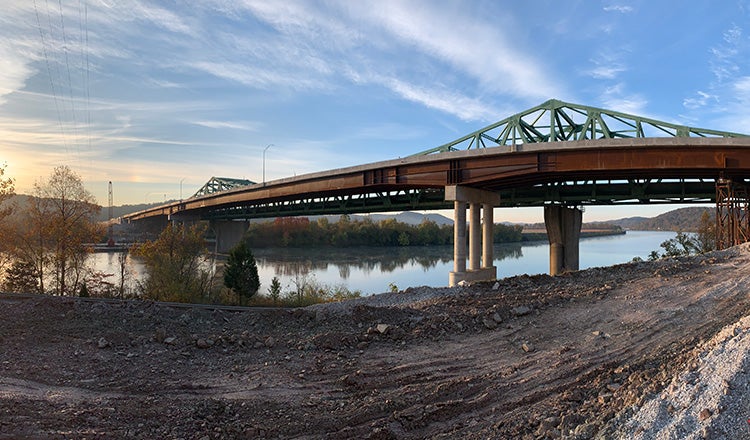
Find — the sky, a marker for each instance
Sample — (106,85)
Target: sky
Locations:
(159,96)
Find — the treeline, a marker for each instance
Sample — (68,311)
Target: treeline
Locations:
(301,232)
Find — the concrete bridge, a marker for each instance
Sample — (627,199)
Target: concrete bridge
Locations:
(559,156)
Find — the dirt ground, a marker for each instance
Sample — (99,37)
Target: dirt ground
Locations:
(528,357)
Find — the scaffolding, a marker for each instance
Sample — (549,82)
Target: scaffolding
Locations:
(732,219)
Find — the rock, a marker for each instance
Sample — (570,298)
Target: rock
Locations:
(203,343)
(382,328)
(521,310)
(497,318)
(170,340)
(527,347)
(704,414)
(496,286)
(160,334)
(270,342)
(613,386)
(584,431)
(102,343)
(489,323)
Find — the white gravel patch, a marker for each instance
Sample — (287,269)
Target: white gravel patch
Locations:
(710,400)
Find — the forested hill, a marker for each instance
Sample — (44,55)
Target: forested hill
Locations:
(683,219)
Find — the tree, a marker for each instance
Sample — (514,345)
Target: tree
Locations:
(53,231)
(705,240)
(274,290)
(174,265)
(241,272)
(21,277)
(7,190)
(70,211)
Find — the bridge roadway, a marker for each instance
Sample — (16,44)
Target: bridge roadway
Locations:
(558,176)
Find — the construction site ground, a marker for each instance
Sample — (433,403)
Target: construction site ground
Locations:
(640,350)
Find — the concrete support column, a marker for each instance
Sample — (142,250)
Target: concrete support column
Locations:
(488,235)
(475,234)
(459,237)
(564,231)
(480,234)
(228,234)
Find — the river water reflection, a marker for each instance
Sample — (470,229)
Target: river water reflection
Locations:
(372,269)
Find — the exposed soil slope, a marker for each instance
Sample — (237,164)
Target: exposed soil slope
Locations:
(576,356)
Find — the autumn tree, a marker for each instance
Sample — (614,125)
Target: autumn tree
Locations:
(6,192)
(174,265)
(241,272)
(64,216)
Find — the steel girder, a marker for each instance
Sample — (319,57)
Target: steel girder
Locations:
(556,121)
(590,192)
(420,199)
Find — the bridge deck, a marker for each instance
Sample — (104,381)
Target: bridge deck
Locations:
(517,170)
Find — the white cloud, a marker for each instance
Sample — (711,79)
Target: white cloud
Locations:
(701,100)
(234,125)
(617,99)
(606,72)
(258,77)
(623,9)
(15,69)
(482,51)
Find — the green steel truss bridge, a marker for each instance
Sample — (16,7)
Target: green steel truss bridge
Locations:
(556,153)
(548,126)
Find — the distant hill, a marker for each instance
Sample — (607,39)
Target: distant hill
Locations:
(683,219)
(632,223)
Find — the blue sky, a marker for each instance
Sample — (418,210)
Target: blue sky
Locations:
(159,96)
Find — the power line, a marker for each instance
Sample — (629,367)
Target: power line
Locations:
(49,74)
(85,78)
(70,81)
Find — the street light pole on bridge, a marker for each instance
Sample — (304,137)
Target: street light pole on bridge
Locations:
(264,163)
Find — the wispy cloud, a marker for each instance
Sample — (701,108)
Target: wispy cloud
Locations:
(623,9)
(234,125)
(617,98)
(485,53)
(700,100)
(444,100)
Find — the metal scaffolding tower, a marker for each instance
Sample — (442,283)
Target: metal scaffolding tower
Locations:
(732,220)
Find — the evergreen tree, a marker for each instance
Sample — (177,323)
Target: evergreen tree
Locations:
(21,277)
(241,272)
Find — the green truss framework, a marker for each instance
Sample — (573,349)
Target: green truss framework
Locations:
(219,184)
(558,121)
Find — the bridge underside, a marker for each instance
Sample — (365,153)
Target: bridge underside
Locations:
(583,192)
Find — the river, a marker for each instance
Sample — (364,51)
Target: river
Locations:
(374,269)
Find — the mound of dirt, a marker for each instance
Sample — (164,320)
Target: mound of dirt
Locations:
(632,351)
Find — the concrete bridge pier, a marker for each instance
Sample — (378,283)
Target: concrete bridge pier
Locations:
(564,231)
(228,234)
(480,234)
